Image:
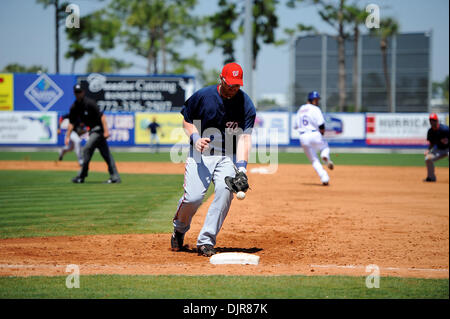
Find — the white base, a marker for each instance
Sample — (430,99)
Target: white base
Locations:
(260,170)
(234,258)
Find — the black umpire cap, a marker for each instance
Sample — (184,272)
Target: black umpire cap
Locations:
(77,88)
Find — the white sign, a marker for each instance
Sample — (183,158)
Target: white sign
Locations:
(339,127)
(398,128)
(28,128)
(271,128)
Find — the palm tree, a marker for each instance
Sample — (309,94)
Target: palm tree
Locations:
(334,14)
(59,17)
(357,16)
(341,57)
(388,28)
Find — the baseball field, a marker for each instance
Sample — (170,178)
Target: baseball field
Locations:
(313,241)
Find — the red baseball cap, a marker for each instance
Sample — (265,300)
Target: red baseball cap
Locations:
(233,74)
(433,116)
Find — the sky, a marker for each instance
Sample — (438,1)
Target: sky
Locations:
(27,37)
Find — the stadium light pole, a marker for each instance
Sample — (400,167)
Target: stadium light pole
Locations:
(248,49)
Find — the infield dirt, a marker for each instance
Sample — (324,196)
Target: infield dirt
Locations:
(367,215)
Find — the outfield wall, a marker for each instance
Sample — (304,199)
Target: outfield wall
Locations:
(129,129)
(31,104)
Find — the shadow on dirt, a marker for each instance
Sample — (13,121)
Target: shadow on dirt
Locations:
(224,250)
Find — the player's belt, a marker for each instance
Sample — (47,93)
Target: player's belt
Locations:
(308,132)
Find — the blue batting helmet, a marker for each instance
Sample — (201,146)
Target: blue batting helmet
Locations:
(313,95)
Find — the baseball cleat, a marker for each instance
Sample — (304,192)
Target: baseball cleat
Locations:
(176,241)
(328,162)
(77,180)
(113,181)
(430,179)
(206,250)
(330,165)
(325,183)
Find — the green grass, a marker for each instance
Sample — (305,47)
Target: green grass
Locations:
(46,203)
(43,203)
(226,287)
(365,159)
(282,157)
(52,156)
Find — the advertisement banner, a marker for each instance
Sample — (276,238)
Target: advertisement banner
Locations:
(44,92)
(398,128)
(28,127)
(170,131)
(341,129)
(271,128)
(6,92)
(120,126)
(121,129)
(137,93)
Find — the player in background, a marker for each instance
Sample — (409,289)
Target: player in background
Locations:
(214,116)
(437,138)
(310,124)
(154,138)
(75,139)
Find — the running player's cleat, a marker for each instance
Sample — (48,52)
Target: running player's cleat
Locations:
(328,162)
(176,241)
(330,165)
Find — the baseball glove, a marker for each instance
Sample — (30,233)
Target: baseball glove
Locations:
(239,183)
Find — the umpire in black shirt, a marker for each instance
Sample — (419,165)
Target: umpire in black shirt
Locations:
(87,111)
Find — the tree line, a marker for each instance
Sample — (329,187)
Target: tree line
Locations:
(157,30)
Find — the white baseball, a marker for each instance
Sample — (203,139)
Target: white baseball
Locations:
(240,195)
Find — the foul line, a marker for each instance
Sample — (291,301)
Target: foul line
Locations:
(381,268)
(49,266)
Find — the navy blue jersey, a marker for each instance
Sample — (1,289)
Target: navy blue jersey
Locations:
(439,138)
(86,111)
(218,118)
(153,126)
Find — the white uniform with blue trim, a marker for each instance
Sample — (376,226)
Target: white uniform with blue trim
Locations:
(308,119)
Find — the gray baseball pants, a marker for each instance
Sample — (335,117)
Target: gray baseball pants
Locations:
(97,140)
(434,155)
(197,178)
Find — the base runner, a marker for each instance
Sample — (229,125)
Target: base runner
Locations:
(310,124)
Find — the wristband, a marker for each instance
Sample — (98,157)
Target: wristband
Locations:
(194,138)
(242,166)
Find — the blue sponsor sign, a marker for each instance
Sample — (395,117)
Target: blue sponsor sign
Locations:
(333,124)
(120,127)
(43,92)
